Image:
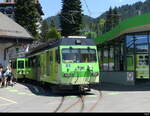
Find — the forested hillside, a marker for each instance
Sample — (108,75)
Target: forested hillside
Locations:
(96,25)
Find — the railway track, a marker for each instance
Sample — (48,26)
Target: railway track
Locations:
(80,100)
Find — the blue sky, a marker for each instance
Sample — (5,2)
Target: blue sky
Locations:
(96,7)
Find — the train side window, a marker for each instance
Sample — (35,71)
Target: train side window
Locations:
(32,61)
(21,64)
(29,62)
(26,64)
(51,57)
(38,61)
(57,56)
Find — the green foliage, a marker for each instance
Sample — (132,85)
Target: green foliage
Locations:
(112,19)
(97,25)
(116,17)
(26,15)
(101,26)
(49,31)
(71,17)
(53,33)
(90,35)
(44,30)
(109,20)
(52,23)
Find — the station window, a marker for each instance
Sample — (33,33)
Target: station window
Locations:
(140,39)
(111,59)
(105,60)
(117,59)
(142,49)
(130,62)
(130,44)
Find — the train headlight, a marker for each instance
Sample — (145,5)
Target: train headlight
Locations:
(67,74)
(95,73)
(90,67)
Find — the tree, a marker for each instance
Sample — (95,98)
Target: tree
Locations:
(112,19)
(115,17)
(90,34)
(53,34)
(26,15)
(44,30)
(101,26)
(108,24)
(71,17)
(52,24)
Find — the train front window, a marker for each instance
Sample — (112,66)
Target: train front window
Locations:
(20,64)
(78,55)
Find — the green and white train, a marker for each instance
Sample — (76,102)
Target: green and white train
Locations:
(141,65)
(71,62)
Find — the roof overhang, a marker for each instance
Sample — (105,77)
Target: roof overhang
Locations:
(132,25)
(10,31)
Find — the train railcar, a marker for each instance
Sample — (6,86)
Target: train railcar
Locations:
(142,66)
(68,62)
(19,67)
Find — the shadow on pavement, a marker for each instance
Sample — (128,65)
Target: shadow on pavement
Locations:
(141,85)
(42,91)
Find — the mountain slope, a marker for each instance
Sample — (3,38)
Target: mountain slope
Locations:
(125,11)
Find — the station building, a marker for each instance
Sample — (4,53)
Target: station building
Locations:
(14,39)
(124,52)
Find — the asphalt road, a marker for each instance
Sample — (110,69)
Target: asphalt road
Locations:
(113,98)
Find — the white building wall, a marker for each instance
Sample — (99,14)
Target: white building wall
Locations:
(9,54)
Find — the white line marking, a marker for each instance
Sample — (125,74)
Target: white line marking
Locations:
(5,104)
(8,100)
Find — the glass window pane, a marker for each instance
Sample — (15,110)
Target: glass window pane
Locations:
(130,44)
(129,40)
(130,62)
(142,49)
(139,39)
(105,60)
(79,55)
(111,59)
(20,64)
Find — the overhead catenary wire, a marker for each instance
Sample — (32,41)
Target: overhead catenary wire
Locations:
(90,13)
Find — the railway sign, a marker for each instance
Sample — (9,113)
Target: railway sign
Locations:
(130,76)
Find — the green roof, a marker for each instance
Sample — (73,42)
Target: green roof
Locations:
(135,24)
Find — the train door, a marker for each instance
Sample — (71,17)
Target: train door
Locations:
(142,62)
